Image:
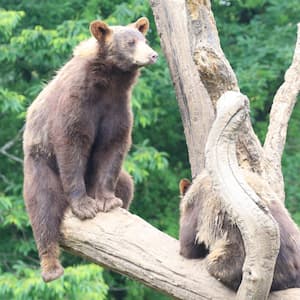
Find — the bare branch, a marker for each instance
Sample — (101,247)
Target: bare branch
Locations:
(11,143)
(11,156)
(127,244)
(283,104)
(4,179)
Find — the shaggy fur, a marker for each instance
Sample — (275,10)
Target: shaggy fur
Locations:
(207,231)
(78,131)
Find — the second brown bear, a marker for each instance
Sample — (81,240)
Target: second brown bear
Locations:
(78,132)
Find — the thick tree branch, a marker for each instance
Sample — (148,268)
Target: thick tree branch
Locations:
(194,102)
(282,108)
(127,244)
(213,67)
(259,230)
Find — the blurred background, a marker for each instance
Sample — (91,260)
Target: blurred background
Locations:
(37,37)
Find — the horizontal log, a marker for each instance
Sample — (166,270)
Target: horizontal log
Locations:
(127,244)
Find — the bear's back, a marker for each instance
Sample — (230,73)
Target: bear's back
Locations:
(48,105)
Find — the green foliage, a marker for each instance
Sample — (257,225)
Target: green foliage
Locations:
(143,160)
(27,284)
(8,21)
(37,37)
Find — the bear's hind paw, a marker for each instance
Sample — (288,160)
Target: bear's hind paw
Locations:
(52,272)
(84,208)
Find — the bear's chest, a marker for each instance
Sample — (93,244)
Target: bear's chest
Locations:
(114,124)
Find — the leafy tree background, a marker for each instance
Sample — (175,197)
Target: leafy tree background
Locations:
(37,37)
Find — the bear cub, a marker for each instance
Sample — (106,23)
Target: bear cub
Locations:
(207,231)
(77,133)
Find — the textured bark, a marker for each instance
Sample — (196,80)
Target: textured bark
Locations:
(217,75)
(192,22)
(259,230)
(194,101)
(127,244)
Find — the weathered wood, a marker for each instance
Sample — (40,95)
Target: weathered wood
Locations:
(127,244)
(194,102)
(283,104)
(214,69)
(259,230)
(192,23)
(196,21)
(217,75)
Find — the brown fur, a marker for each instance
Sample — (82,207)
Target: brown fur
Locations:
(77,134)
(206,230)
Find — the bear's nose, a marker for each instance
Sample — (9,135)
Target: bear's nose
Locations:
(154,57)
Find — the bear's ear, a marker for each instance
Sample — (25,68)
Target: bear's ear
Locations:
(142,25)
(100,30)
(184,184)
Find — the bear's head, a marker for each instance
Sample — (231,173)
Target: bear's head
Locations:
(124,47)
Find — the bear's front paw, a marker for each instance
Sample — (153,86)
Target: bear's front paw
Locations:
(108,202)
(84,208)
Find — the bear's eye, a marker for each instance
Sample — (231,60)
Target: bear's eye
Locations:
(131,42)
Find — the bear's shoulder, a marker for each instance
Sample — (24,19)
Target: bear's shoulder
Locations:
(88,49)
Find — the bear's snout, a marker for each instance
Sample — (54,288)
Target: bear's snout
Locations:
(144,54)
(153,57)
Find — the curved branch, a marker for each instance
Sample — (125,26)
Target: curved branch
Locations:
(127,244)
(259,231)
(282,108)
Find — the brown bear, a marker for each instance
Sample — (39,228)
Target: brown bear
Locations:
(207,231)
(78,131)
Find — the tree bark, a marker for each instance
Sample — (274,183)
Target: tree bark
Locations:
(195,106)
(259,230)
(217,77)
(127,244)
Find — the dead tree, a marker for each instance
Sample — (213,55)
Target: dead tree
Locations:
(215,118)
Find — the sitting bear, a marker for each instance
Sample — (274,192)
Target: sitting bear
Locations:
(207,231)
(78,131)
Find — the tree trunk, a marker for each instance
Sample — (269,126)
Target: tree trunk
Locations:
(197,22)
